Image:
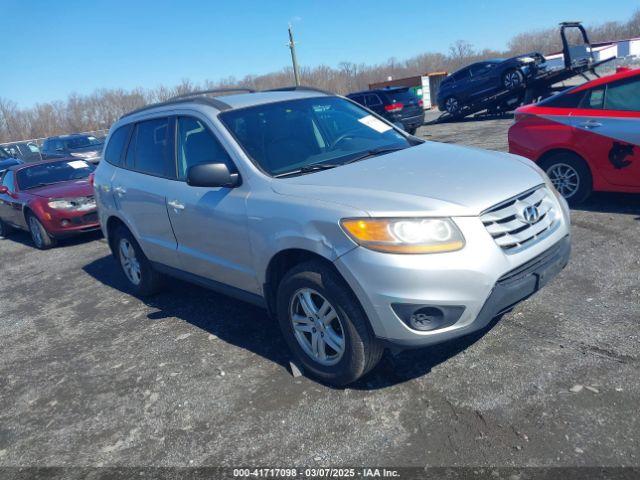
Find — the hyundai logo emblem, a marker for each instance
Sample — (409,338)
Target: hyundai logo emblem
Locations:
(531,214)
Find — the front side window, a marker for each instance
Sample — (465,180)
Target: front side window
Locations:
(623,95)
(593,99)
(53,172)
(149,148)
(197,145)
(285,137)
(564,100)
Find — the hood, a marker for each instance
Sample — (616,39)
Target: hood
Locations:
(428,179)
(72,188)
(91,150)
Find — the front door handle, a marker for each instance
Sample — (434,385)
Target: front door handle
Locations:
(120,191)
(175,205)
(590,124)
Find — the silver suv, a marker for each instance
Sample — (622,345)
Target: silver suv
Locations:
(355,235)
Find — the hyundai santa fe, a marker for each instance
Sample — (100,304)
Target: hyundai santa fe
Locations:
(356,236)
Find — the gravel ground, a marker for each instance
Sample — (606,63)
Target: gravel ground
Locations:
(92,376)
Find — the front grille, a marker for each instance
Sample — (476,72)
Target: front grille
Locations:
(506,224)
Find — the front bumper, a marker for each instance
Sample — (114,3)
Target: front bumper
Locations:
(481,278)
(66,224)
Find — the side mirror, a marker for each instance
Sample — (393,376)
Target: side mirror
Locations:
(4,190)
(212,175)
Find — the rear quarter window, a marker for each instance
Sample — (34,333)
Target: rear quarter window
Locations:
(117,144)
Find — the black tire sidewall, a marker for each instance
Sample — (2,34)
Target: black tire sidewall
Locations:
(353,363)
(47,241)
(5,229)
(580,166)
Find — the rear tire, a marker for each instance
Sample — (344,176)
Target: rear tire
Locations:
(571,176)
(142,279)
(360,351)
(452,106)
(41,238)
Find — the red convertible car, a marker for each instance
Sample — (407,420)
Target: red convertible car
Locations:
(51,199)
(586,138)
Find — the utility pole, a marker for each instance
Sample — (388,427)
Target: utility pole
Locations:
(294,59)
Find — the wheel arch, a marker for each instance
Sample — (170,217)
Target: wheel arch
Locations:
(280,264)
(546,155)
(113,222)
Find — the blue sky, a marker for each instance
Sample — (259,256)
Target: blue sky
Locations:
(50,49)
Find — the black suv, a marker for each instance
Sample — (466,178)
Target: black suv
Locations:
(396,104)
(85,147)
(481,80)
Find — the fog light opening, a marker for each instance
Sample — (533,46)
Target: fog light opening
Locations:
(428,318)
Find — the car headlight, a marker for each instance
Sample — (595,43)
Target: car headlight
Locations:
(75,204)
(405,235)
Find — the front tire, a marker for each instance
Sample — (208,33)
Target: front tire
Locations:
(325,326)
(141,277)
(39,235)
(512,79)
(570,175)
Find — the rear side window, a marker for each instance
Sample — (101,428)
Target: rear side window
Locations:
(197,145)
(372,100)
(117,144)
(623,95)
(149,149)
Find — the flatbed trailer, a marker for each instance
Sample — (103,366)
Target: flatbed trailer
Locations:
(578,60)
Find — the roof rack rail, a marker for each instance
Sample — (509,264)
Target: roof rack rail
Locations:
(293,88)
(213,90)
(213,102)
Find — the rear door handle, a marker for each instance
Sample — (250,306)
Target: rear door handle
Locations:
(175,205)
(590,124)
(120,190)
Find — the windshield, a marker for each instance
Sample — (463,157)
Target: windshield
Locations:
(82,142)
(286,137)
(53,172)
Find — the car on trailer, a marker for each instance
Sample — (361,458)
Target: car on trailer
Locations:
(586,138)
(51,199)
(501,86)
(486,78)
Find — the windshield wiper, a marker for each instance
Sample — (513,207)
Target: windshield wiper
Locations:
(373,153)
(314,167)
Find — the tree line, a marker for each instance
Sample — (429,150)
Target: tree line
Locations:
(98,110)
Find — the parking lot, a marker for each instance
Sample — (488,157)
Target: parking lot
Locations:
(92,376)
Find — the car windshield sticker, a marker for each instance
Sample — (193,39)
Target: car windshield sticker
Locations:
(77,164)
(372,122)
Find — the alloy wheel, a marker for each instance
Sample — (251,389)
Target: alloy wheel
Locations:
(317,327)
(512,80)
(129,262)
(565,178)
(451,105)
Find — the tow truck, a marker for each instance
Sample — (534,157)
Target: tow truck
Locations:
(578,60)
